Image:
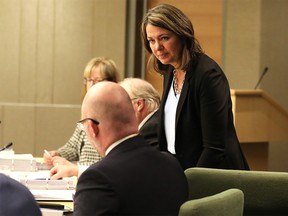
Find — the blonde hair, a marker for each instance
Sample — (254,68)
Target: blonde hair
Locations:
(107,69)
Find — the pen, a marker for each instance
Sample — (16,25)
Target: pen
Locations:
(46,152)
(42,179)
(7,146)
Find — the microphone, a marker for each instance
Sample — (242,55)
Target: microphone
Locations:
(7,146)
(261,77)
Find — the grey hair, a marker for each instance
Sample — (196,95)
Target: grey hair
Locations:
(139,88)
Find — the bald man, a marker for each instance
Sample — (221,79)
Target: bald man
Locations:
(132,178)
(146,101)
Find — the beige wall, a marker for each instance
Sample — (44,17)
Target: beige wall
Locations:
(255,36)
(274,53)
(44,47)
(46,44)
(35,127)
(241,46)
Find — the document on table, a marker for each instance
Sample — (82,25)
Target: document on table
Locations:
(48,184)
(51,212)
(40,180)
(53,195)
(18,162)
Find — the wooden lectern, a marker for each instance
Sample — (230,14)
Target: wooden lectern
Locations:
(258,120)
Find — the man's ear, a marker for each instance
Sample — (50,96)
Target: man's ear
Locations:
(140,105)
(92,128)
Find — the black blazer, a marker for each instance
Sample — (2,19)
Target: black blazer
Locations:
(150,128)
(205,133)
(133,179)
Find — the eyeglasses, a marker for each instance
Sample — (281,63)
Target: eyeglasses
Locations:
(86,119)
(88,80)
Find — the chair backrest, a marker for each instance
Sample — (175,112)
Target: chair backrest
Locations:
(266,193)
(227,203)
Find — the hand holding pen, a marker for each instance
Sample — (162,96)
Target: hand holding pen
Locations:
(48,155)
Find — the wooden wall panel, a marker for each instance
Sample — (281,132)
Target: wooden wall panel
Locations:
(18,126)
(73,28)
(45,51)
(35,127)
(108,36)
(27,51)
(9,51)
(45,45)
(242,43)
(57,122)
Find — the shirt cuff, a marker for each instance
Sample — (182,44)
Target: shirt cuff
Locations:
(81,169)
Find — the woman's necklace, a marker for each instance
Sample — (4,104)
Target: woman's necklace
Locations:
(177,89)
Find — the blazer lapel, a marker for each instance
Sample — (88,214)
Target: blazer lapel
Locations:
(168,82)
(183,95)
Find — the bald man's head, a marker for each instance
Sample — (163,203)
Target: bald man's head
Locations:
(110,105)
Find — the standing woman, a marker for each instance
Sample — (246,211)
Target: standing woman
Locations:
(196,110)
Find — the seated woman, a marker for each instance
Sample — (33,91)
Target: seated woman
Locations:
(77,154)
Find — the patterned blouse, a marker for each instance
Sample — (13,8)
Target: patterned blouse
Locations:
(78,149)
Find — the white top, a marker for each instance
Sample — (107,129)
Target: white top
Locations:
(170,119)
(81,169)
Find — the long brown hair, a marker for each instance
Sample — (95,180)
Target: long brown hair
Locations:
(171,18)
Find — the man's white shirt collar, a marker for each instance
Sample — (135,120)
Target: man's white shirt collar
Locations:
(117,143)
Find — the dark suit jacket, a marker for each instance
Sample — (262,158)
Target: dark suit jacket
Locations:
(150,128)
(16,199)
(205,134)
(133,179)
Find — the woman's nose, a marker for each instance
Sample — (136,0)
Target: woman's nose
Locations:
(158,45)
